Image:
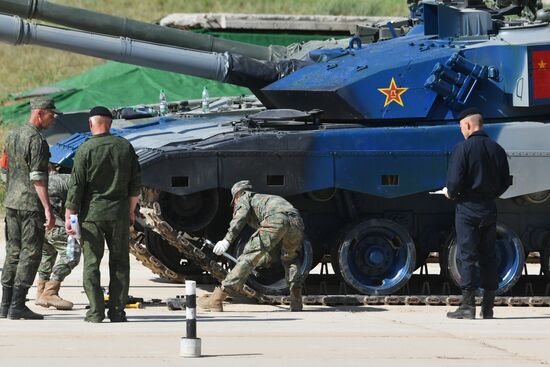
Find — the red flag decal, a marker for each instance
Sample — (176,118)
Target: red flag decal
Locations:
(4,160)
(541,74)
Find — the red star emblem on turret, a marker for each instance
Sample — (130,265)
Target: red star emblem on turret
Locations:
(393,93)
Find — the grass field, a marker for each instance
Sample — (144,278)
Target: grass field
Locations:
(25,67)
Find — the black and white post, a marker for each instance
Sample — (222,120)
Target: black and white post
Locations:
(190,346)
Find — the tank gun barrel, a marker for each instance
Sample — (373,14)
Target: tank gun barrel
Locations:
(223,67)
(96,22)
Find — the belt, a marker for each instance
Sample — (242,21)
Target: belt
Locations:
(477,197)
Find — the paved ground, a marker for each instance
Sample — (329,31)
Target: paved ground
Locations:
(251,335)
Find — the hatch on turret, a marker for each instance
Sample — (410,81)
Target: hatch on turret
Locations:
(446,21)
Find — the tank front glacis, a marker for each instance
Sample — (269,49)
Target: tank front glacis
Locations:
(378,123)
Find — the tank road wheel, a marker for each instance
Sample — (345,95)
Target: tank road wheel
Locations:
(377,256)
(510,259)
(545,261)
(538,197)
(169,256)
(189,213)
(271,280)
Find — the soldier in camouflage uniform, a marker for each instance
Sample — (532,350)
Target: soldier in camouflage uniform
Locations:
(50,273)
(104,190)
(28,209)
(277,223)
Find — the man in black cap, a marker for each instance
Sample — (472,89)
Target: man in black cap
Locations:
(28,210)
(103,191)
(478,173)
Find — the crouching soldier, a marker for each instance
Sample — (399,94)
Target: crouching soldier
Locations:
(50,273)
(277,223)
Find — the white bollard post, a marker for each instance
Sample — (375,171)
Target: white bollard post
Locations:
(190,346)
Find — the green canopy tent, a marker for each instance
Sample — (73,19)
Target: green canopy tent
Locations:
(116,85)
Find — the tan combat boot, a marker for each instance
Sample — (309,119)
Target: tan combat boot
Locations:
(39,290)
(50,297)
(296,299)
(213,302)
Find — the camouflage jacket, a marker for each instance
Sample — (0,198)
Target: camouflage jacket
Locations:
(105,174)
(252,208)
(58,185)
(28,155)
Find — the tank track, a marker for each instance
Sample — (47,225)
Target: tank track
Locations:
(362,300)
(190,247)
(140,252)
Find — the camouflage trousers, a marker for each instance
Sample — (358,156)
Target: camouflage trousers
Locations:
(24,239)
(284,229)
(56,244)
(117,235)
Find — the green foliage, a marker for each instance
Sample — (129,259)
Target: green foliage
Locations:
(26,67)
(152,10)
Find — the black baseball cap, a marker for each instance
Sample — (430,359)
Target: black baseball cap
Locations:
(100,111)
(468,112)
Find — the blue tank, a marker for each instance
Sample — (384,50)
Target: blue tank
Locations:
(356,138)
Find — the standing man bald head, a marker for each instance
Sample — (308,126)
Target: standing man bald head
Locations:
(478,173)
(28,210)
(470,122)
(103,191)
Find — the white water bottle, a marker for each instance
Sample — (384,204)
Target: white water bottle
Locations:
(69,251)
(205,103)
(75,226)
(163,105)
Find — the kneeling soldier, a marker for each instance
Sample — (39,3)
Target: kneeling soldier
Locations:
(50,276)
(277,223)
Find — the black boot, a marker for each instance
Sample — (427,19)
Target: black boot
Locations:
(18,310)
(467,309)
(6,300)
(487,304)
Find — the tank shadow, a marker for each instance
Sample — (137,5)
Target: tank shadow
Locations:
(241,319)
(523,318)
(285,308)
(351,309)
